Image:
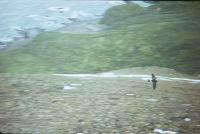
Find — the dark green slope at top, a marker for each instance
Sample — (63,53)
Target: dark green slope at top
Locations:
(166,35)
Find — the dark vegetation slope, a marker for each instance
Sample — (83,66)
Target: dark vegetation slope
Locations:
(165,34)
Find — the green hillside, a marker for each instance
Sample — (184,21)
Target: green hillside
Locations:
(166,35)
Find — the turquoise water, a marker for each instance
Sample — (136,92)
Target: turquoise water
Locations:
(22,15)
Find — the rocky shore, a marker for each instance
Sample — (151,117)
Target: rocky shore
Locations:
(56,18)
(77,27)
(28,20)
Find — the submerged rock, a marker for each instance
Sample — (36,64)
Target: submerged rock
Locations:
(2,46)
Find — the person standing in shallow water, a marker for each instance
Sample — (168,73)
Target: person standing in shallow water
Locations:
(153,80)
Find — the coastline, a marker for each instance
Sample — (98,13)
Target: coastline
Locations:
(77,27)
(79,22)
(83,27)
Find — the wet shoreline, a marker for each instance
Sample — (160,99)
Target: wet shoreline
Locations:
(77,27)
(79,21)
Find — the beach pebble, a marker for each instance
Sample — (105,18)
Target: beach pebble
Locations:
(130,94)
(152,100)
(75,84)
(68,87)
(71,86)
(160,131)
(187,119)
(186,105)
